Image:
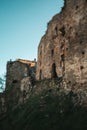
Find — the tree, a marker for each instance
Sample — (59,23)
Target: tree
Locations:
(2,84)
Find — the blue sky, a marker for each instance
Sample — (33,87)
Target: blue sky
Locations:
(22,24)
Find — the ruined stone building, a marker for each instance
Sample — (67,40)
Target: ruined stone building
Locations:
(19,70)
(62,51)
(19,80)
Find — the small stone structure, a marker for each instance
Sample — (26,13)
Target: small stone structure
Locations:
(19,70)
(62,51)
(20,78)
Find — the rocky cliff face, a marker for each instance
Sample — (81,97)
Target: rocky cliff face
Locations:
(62,51)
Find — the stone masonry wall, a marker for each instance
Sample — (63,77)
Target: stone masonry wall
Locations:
(19,69)
(20,78)
(62,51)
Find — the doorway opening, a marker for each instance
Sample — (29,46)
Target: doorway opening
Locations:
(54,73)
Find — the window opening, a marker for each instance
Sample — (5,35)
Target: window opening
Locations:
(15,81)
(54,74)
(62,31)
(52,52)
(40,74)
(81,67)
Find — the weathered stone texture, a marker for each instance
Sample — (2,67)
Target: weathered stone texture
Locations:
(2,103)
(62,54)
(19,81)
(62,51)
(19,69)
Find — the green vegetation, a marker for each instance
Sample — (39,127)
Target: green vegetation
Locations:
(2,83)
(48,110)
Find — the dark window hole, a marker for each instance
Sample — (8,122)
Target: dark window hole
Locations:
(81,67)
(40,75)
(69,82)
(62,31)
(77,7)
(62,57)
(52,52)
(83,52)
(56,29)
(15,81)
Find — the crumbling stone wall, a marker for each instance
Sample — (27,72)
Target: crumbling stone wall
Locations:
(19,81)
(62,51)
(19,69)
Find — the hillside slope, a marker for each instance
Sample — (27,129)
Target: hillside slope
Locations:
(50,107)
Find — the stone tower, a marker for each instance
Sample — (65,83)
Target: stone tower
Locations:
(19,70)
(62,51)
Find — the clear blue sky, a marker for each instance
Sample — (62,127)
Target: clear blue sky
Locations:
(22,24)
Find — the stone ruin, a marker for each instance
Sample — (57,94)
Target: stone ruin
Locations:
(62,51)
(19,70)
(20,78)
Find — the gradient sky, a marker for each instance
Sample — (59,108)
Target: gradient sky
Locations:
(22,24)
